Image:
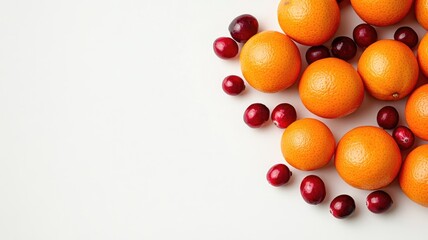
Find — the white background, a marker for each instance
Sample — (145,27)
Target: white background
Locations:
(113,125)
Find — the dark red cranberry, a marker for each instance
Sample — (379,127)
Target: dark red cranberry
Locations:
(316,53)
(378,201)
(312,189)
(407,36)
(342,206)
(404,137)
(225,47)
(283,115)
(233,85)
(364,34)
(387,117)
(243,27)
(278,175)
(256,115)
(344,48)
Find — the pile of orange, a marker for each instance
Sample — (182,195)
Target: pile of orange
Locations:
(366,157)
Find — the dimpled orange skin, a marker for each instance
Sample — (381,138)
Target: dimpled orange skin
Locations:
(331,88)
(421,12)
(308,144)
(309,22)
(416,112)
(423,54)
(413,176)
(270,61)
(367,157)
(382,12)
(389,69)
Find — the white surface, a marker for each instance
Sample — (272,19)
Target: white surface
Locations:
(114,126)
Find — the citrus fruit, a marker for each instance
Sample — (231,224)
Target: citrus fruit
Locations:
(389,69)
(309,22)
(413,176)
(381,12)
(367,157)
(421,12)
(416,112)
(423,54)
(331,88)
(270,61)
(307,144)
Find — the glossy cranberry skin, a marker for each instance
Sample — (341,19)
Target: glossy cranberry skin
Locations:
(364,35)
(404,137)
(342,206)
(344,48)
(315,53)
(233,85)
(378,201)
(243,27)
(387,117)
(312,189)
(407,36)
(256,115)
(278,175)
(283,115)
(225,47)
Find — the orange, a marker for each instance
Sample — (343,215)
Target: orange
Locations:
(382,12)
(413,176)
(367,157)
(389,69)
(270,61)
(307,144)
(416,112)
(421,12)
(309,22)
(331,88)
(423,54)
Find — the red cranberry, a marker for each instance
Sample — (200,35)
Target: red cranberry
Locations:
(387,117)
(378,201)
(278,175)
(364,35)
(344,48)
(256,115)
(233,85)
(404,137)
(342,206)
(316,53)
(312,189)
(283,115)
(225,47)
(243,27)
(407,36)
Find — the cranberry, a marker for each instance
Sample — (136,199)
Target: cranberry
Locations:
(407,36)
(278,175)
(225,47)
(283,115)
(233,85)
(387,117)
(316,53)
(378,201)
(364,35)
(256,115)
(312,189)
(344,48)
(404,137)
(243,27)
(342,206)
